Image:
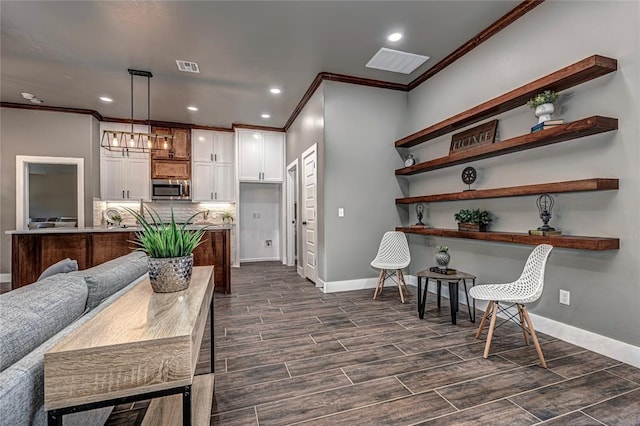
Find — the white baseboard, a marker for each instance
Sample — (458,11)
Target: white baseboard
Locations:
(5,278)
(598,343)
(261,259)
(360,284)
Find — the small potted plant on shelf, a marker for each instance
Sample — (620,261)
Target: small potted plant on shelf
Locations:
(472,220)
(170,249)
(227,217)
(543,105)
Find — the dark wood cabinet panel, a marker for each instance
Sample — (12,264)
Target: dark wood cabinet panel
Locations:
(56,247)
(216,251)
(181,143)
(170,169)
(33,253)
(109,245)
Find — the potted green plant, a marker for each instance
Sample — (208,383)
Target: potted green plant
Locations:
(226,216)
(472,220)
(443,257)
(170,249)
(543,104)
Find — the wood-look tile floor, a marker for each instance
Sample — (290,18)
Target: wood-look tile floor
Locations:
(287,353)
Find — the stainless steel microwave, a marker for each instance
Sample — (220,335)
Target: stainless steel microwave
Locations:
(170,189)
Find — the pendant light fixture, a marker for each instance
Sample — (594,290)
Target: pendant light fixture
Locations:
(136,141)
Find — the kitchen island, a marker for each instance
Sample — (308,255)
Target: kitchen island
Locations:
(34,250)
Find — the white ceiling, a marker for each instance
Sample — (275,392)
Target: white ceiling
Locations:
(68,53)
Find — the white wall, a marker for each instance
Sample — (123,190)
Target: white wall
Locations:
(604,285)
(260,214)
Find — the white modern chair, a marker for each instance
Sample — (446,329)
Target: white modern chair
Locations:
(393,256)
(526,289)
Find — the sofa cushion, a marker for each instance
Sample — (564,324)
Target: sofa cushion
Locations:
(62,267)
(33,313)
(105,279)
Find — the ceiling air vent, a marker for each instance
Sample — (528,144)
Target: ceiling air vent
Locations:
(396,61)
(187,66)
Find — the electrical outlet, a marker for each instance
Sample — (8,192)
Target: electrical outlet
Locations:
(268,242)
(340,212)
(565,297)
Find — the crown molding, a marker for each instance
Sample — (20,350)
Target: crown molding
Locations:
(16,105)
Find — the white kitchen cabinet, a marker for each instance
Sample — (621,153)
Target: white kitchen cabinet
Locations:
(124,178)
(212,146)
(124,175)
(260,156)
(213,182)
(213,166)
(224,183)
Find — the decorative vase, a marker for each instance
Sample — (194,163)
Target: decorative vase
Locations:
(442,259)
(168,275)
(544,111)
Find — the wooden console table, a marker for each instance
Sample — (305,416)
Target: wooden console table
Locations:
(144,345)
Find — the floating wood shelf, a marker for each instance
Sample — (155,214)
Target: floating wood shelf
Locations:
(563,241)
(580,72)
(574,130)
(595,184)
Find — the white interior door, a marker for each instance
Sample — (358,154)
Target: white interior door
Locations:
(309,210)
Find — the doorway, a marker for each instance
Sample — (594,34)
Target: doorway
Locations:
(309,213)
(49,192)
(292,214)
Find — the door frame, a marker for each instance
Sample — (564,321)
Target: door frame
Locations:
(293,195)
(22,185)
(313,149)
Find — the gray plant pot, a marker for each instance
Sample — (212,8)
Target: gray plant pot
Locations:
(168,275)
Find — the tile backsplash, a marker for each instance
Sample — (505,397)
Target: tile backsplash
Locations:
(182,211)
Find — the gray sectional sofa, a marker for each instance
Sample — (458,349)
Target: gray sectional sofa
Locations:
(35,317)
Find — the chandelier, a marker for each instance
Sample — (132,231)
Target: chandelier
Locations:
(136,141)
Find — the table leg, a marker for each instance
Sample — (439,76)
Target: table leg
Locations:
(453,299)
(54,419)
(439,292)
(466,293)
(213,358)
(186,406)
(422,298)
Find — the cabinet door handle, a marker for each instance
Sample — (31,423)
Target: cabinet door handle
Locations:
(215,157)
(212,195)
(211,156)
(123,152)
(216,195)
(123,193)
(127,193)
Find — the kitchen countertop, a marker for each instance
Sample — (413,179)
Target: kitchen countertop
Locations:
(69,230)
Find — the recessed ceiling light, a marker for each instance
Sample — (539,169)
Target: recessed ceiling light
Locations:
(106,99)
(192,108)
(394,37)
(28,95)
(275,90)
(266,116)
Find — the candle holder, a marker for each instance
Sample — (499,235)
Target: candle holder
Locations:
(545,206)
(420,213)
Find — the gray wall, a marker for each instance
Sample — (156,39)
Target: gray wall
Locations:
(361,124)
(53,195)
(44,133)
(604,285)
(306,130)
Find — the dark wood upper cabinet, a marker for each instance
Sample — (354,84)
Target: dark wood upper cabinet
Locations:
(181,143)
